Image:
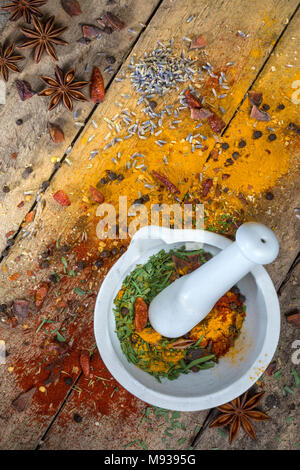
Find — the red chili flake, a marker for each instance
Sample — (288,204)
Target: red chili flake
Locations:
(294,319)
(206,185)
(10,233)
(97,86)
(198,43)
(140,314)
(214,154)
(21,204)
(62,198)
(56,133)
(97,196)
(192,100)
(72,7)
(24,89)
(216,123)
(20,309)
(29,217)
(259,115)
(90,31)
(255,98)
(40,295)
(109,19)
(85,362)
(271,368)
(200,113)
(23,400)
(166,182)
(14,155)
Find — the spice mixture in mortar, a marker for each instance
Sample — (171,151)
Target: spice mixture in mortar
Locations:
(169,357)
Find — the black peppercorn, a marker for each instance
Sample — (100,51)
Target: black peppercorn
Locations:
(120,177)
(77,418)
(152,104)
(3,308)
(81,265)
(235,155)
(68,381)
(45,264)
(110,59)
(99,263)
(265,107)
(257,134)
(269,196)
(280,106)
(242,143)
(225,146)
(19,122)
(52,278)
(272,137)
(5,189)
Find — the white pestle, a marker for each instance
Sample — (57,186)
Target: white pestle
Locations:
(187,301)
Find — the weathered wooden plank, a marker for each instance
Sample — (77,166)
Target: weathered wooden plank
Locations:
(80,172)
(31,140)
(281,405)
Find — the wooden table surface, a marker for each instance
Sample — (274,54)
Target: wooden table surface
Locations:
(257,45)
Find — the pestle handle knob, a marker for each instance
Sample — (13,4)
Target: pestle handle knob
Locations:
(257,242)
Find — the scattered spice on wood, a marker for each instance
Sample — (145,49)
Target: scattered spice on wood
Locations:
(8,59)
(56,133)
(90,31)
(72,7)
(206,185)
(27,9)
(41,294)
(240,412)
(97,89)
(293,318)
(22,401)
(255,98)
(216,123)
(42,38)
(111,20)
(62,198)
(198,42)
(85,362)
(63,88)
(24,89)
(259,114)
(97,196)
(20,309)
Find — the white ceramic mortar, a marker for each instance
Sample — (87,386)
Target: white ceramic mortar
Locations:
(235,373)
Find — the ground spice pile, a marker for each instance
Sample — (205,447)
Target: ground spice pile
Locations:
(170,357)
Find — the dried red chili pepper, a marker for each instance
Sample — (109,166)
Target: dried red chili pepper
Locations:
(62,198)
(166,182)
(97,86)
(140,314)
(85,362)
(97,196)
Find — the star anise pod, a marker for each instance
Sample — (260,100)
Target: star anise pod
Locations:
(63,88)
(240,411)
(42,37)
(8,59)
(26,8)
